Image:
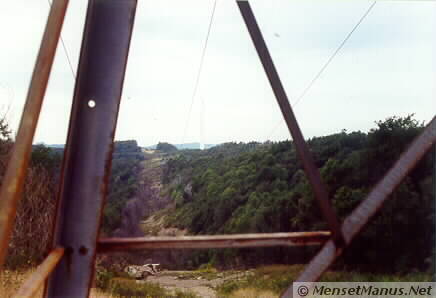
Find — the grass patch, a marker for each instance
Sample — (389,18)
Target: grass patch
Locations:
(184,294)
(207,272)
(124,287)
(120,285)
(252,293)
(11,280)
(277,278)
(198,275)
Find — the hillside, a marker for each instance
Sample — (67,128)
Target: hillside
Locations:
(240,188)
(184,146)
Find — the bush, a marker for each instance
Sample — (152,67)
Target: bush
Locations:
(35,211)
(103,278)
(132,288)
(34,218)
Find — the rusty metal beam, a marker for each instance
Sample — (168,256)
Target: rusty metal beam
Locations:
(282,99)
(88,154)
(360,216)
(13,180)
(36,279)
(214,241)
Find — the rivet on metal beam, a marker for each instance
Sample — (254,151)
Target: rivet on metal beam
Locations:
(88,152)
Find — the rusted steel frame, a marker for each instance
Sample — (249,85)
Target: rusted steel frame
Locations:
(37,278)
(12,185)
(360,216)
(282,99)
(214,241)
(88,154)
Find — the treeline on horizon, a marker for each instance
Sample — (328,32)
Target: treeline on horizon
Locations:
(262,188)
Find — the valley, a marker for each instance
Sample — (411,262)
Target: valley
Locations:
(244,188)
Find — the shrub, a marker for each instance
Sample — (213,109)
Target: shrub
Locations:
(131,288)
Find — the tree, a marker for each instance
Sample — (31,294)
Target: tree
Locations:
(5,144)
(166,147)
(264,189)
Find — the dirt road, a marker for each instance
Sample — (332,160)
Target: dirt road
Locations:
(196,283)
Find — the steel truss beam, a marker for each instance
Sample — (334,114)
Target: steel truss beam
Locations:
(13,181)
(214,241)
(282,99)
(88,154)
(360,216)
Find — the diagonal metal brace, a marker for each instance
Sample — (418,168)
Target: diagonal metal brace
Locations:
(13,181)
(360,216)
(282,99)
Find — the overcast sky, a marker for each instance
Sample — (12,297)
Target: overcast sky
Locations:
(386,68)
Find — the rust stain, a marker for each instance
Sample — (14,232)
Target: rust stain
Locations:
(214,241)
(13,181)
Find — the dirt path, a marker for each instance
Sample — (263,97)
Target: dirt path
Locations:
(200,287)
(195,282)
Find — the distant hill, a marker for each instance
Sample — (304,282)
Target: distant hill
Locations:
(121,148)
(166,147)
(185,146)
(55,145)
(153,147)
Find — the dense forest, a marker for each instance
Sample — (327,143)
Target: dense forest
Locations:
(123,184)
(240,188)
(255,187)
(37,206)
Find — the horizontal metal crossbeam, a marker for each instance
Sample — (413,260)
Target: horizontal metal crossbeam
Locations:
(214,241)
(89,148)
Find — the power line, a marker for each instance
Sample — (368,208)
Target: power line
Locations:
(65,51)
(200,68)
(68,58)
(327,63)
(335,53)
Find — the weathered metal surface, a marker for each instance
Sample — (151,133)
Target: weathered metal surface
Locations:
(36,280)
(13,180)
(282,99)
(360,216)
(214,241)
(88,154)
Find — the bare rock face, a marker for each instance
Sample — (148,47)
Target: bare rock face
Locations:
(187,192)
(132,214)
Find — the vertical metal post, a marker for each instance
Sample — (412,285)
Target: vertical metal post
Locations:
(87,158)
(12,185)
(434,200)
(282,99)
